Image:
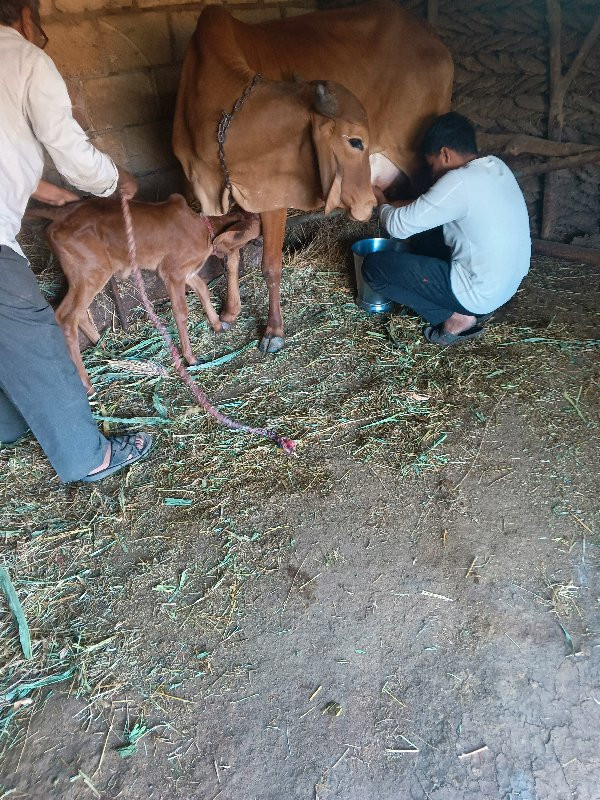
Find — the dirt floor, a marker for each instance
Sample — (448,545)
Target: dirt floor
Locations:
(368,633)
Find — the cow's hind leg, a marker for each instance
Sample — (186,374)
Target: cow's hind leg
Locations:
(273,228)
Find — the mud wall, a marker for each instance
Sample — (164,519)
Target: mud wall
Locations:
(121,60)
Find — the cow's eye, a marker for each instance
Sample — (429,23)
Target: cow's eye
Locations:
(357,144)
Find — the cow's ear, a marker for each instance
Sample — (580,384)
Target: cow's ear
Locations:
(331,179)
(325,102)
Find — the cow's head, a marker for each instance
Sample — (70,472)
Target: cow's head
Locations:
(340,132)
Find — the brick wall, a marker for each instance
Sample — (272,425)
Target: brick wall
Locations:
(121,61)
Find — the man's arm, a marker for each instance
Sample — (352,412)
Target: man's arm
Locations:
(49,111)
(53,195)
(382,199)
(446,201)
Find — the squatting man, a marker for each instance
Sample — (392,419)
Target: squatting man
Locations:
(470,239)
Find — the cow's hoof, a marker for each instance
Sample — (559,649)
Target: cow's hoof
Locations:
(226,326)
(271,344)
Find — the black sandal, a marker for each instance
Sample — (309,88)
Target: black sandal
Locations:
(123,453)
(437,335)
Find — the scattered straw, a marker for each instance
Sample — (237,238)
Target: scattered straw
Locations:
(348,387)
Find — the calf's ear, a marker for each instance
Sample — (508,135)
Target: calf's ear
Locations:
(236,236)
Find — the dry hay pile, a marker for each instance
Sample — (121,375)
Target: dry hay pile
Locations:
(166,551)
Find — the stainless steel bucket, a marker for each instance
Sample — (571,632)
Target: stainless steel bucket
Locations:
(366,298)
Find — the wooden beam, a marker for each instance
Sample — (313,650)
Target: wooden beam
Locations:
(553,164)
(559,85)
(549,204)
(570,252)
(516,144)
(432,12)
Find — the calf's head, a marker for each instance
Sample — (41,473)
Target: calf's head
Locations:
(233,231)
(340,132)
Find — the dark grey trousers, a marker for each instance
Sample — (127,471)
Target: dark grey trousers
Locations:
(40,388)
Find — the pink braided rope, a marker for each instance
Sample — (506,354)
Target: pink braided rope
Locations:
(287,445)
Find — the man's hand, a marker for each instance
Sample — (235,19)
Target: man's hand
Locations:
(53,195)
(127,184)
(379,195)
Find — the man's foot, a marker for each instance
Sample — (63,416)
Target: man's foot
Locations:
(122,452)
(15,442)
(459,323)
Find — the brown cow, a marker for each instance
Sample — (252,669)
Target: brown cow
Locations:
(88,239)
(392,64)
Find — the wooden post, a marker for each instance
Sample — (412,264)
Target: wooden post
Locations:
(559,85)
(432,12)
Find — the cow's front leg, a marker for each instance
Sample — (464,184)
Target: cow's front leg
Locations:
(273,229)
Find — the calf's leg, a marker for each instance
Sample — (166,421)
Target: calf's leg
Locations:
(176,289)
(70,315)
(203,292)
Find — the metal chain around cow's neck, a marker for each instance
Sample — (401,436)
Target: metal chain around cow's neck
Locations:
(224,124)
(287,445)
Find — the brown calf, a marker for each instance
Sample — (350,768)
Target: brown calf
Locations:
(88,239)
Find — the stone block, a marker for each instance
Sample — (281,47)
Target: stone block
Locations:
(120,100)
(76,48)
(183,25)
(93,48)
(137,40)
(151,3)
(77,6)
(252,15)
(78,102)
(148,147)
(159,185)
(295,11)
(112,144)
(167,81)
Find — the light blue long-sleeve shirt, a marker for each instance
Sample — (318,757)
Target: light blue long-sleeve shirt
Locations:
(486,227)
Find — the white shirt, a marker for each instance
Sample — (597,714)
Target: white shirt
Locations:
(35,110)
(486,227)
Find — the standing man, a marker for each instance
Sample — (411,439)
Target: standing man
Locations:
(39,385)
(455,284)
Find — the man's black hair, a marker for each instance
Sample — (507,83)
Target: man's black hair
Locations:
(10,10)
(451,130)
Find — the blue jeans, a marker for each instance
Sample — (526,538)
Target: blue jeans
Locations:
(419,279)
(39,384)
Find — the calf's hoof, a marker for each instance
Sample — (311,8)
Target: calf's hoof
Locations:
(271,344)
(225,326)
